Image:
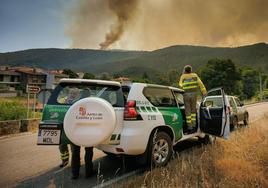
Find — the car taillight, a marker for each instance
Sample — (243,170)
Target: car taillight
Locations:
(130,112)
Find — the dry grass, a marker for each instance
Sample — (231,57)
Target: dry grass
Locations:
(241,161)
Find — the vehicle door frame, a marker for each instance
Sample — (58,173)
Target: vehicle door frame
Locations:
(209,116)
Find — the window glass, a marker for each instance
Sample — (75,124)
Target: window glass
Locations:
(179,97)
(161,97)
(125,90)
(231,101)
(69,93)
(213,102)
(237,101)
(232,104)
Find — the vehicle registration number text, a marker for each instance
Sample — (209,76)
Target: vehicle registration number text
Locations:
(48,137)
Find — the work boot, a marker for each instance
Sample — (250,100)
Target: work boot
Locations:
(75,176)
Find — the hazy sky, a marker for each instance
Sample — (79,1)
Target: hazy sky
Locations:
(28,24)
(130,24)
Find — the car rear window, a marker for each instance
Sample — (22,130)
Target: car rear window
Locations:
(69,93)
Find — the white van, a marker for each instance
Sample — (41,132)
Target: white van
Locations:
(140,119)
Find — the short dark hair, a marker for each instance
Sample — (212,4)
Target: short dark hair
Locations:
(188,69)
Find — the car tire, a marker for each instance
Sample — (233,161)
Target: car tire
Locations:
(245,119)
(234,123)
(159,150)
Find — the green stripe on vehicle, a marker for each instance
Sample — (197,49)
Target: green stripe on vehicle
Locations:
(143,109)
(173,117)
(154,109)
(148,109)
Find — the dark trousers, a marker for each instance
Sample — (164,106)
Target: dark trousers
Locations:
(76,159)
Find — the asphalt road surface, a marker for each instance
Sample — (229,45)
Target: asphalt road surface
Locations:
(24,164)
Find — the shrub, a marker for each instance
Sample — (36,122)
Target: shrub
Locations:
(12,109)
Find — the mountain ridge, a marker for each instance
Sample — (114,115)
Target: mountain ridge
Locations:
(118,61)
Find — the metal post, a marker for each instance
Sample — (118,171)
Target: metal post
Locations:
(260,87)
(28,105)
(28,101)
(44,99)
(34,105)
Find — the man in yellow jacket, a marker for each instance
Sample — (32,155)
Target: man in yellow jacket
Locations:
(190,83)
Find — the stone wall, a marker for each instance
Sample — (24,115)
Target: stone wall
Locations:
(8,94)
(9,127)
(17,126)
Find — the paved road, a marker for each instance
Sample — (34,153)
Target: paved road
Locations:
(24,164)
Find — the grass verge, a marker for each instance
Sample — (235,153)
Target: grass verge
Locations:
(241,161)
(15,109)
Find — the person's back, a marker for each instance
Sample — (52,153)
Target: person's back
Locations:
(190,83)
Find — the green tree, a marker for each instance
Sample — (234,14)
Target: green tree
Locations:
(71,73)
(162,79)
(88,75)
(117,75)
(221,73)
(174,76)
(105,76)
(145,78)
(250,82)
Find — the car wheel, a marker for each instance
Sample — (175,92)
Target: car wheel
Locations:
(160,149)
(234,123)
(245,119)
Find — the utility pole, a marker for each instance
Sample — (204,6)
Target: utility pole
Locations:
(260,86)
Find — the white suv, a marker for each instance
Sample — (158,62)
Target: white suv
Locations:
(139,119)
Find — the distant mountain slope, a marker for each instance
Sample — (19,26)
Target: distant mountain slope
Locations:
(53,58)
(135,62)
(175,57)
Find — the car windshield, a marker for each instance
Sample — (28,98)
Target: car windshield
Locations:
(213,102)
(69,93)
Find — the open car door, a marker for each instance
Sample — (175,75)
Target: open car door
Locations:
(214,113)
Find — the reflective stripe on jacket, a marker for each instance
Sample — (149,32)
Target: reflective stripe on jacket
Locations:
(190,82)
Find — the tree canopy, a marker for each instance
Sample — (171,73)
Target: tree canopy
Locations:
(71,73)
(250,82)
(221,73)
(88,75)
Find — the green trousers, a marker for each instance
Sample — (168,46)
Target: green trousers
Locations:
(190,109)
(64,152)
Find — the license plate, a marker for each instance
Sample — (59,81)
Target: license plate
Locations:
(48,137)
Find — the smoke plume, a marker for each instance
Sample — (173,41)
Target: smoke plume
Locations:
(153,24)
(124,11)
